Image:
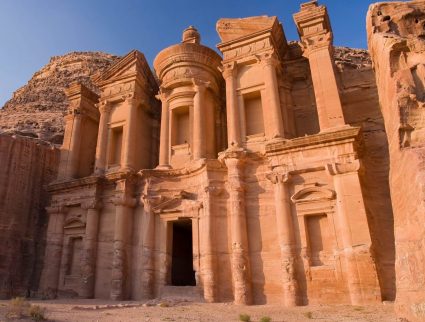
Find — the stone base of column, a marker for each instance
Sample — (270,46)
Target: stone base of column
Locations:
(163,167)
(118,272)
(290,283)
(148,274)
(207,276)
(88,277)
(242,290)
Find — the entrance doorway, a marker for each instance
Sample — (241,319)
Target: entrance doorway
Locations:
(182,273)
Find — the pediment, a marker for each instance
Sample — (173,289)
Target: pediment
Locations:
(234,28)
(74,223)
(133,64)
(177,203)
(311,194)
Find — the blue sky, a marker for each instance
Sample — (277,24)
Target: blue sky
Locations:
(31,31)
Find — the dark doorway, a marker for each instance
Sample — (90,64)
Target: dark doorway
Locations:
(182,273)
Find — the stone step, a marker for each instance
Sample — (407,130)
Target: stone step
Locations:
(188,293)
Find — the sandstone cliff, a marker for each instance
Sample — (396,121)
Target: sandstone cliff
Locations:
(26,166)
(396,38)
(37,109)
(359,95)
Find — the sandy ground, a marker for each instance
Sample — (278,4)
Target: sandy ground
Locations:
(104,311)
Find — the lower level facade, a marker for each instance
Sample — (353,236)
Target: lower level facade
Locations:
(287,225)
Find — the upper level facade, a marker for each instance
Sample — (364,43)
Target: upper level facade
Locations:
(198,103)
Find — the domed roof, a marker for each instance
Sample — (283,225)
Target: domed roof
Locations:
(188,51)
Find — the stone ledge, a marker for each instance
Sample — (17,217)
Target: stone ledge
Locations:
(73,183)
(315,139)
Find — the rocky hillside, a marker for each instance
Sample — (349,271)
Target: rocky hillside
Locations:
(37,109)
(350,58)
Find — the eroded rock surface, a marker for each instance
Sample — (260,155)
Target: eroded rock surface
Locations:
(396,37)
(26,166)
(37,109)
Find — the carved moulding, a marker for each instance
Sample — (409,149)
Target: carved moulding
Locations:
(312,194)
(337,168)
(248,49)
(125,189)
(178,203)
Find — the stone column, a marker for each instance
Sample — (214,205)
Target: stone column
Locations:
(102,138)
(54,245)
(285,230)
(351,215)
(164,145)
(316,35)
(122,237)
(208,256)
(128,156)
(239,236)
(88,258)
(74,146)
(273,122)
(148,236)
(233,125)
(199,115)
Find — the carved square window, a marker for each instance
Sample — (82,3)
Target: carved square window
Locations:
(254,122)
(115,146)
(319,238)
(181,126)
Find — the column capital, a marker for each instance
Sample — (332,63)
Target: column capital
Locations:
(92,204)
(163,94)
(104,106)
(228,69)
(279,176)
(232,155)
(51,210)
(125,201)
(149,202)
(336,168)
(315,43)
(267,59)
(200,85)
(131,99)
(213,190)
(76,112)
(125,190)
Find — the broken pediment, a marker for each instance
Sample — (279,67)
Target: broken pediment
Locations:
(132,65)
(178,203)
(231,29)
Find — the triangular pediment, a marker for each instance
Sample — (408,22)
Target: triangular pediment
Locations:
(132,65)
(74,223)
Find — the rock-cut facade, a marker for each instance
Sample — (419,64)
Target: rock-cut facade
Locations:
(248,176)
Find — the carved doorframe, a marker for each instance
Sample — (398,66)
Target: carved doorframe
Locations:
(172,210)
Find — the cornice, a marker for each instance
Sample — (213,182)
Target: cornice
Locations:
(330,138)
(194,168)
(73,183)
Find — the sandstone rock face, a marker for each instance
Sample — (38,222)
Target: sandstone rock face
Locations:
(26,166)
(396,41)
(360,102)
(37,109)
